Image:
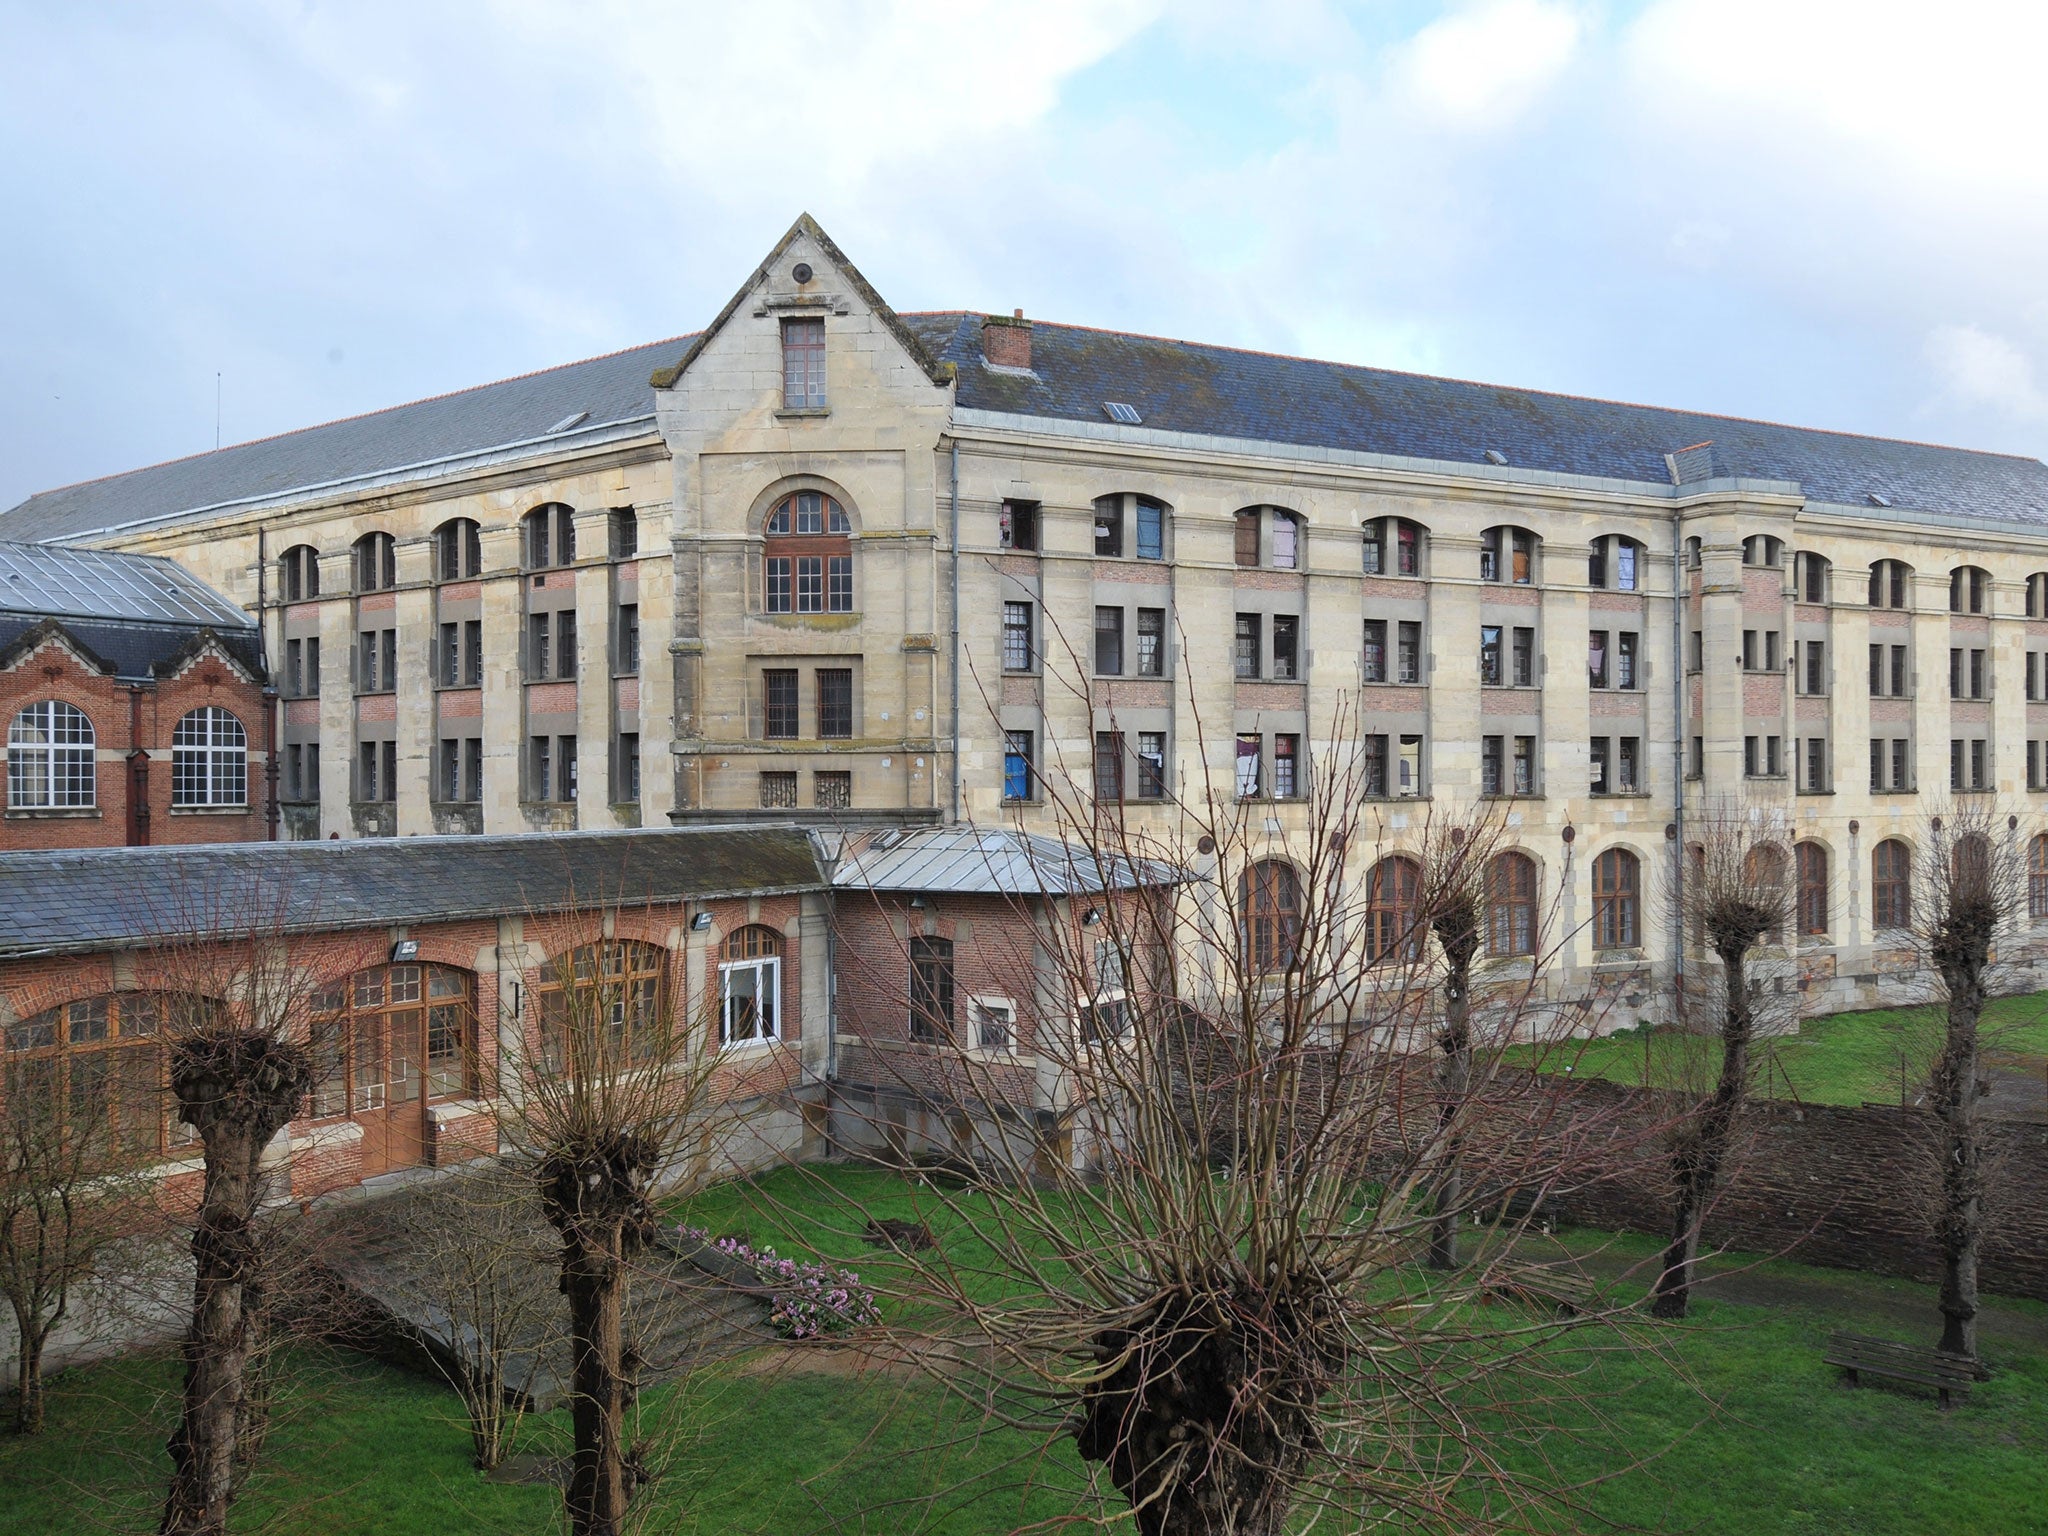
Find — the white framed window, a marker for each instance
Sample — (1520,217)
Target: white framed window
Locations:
(995,1023)
(209,759)
(50,758)
(750,987)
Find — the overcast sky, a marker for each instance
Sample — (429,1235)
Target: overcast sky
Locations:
(1828,212)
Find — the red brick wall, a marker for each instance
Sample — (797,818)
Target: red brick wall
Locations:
(54,671)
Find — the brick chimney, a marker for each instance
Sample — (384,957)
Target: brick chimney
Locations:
(1006,343)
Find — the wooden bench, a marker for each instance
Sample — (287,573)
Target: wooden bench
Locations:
(1951,1376)
(1543,1285)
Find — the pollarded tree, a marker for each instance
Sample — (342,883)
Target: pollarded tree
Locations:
(1735,895)
(1969,883)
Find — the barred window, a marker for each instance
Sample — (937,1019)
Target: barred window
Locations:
(209,759)
(50,758)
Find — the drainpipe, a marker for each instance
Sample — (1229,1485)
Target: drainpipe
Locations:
(138,772)
(955,754)
(271,706)
(1678,591)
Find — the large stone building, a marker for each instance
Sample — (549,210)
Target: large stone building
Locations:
(833,560)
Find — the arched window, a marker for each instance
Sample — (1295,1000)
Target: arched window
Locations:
(548,536)
(1394,926)
(1970,865)
(1393,547)
(1128,524)
(376,562)
(807,556)
(1890,586)
(1270,897)
(1617,900)
(1813,888)
(1508,555)
(389,1041)
(600,1006)
(209,759)
(1616,563)
(298,573)
(750,985)
(1891,885)
(1813,577)
(458,550)
(98,1066)
(2037,595)
(2037,876)
(1272,530)
(1763,871)
(1762,549)
(1967,586)
(50,763)
(1511,905)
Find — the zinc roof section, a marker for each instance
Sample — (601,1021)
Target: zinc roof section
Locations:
(50,581)
(610,389)
(114,898)
(1189,387)
(989,861)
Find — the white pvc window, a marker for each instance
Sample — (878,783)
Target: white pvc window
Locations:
(209,759)
(50,758)
(750,994)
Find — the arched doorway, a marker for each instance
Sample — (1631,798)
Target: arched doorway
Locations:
(395,1040)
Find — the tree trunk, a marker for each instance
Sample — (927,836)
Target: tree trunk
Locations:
(1959,1225)
(1454,1079)
(28,1376)
(593,1280)
(203,1447)
(1696,1164)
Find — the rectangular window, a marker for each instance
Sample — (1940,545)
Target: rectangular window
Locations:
(1901,678)
(1017,526)
(1372,764)
(1596,658)
(472,653)
(1625,659)
(1955,672)
(1016,637)
(1877,760)
(1749,650)
(540,765)
(450,655)
(1151,531)
(778,790)
(1407,549)
(1286,542)
(835,703)
(1017,766)
(1286,763)
(1375,650)
(1375,547)
(1151,642)
(1696,651)
(565,643)
(1627,766)
(540,628)
(1977,686)
(995,1025)
(1597,779)
(1286,649)
(1490,674)
(1902,766)
(1774,755)
(312,668)
(1816,763)
(1248,765)
(1246,547)
(1524,657)
(810,584)
(1409,659)
(1699,757)
(1109,526)
(1525,765)
(1109,642)
(832,790)
(473,768)
(1980,764)
(366,771)
(1492,764)
(839,584)
(622,527)
(448,781)
(1624,566)
(1489,555)
(295,763)
(1752,756)
(1955,763)
(1151,765)
(803,365)
(387,784)
(1772,660)
(1408,767)
(1816,666)
(1877,671)
(1109,767)
(295,671)
(629,639)
(778,704)
(1246,656)
(2033,691)
(779,588)
(2033,765)
(931,990)
(1524,567)
(565,768)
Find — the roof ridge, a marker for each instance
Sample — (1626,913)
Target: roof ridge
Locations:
(402,405)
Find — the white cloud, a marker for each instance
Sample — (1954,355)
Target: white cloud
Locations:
(1484,65)
(1981,369)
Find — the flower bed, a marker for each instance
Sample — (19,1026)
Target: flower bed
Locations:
(810,1299)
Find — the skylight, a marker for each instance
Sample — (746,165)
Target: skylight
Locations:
(1879,499)
(1495,456)
(1118,411)
(575,418)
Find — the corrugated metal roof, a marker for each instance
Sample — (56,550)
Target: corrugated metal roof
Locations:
(46,580)
(988,861)
(83,899)
(1189,387)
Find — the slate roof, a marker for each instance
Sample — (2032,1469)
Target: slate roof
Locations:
(134,652)
(110,898)
(1182,386)
(610,389)
(994,861)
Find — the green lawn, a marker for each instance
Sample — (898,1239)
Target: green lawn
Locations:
(1844,1058)
(1756,1435)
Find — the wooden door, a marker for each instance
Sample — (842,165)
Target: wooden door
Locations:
(389,1105)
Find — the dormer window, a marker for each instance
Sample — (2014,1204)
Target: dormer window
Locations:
(803,365)
(807,556)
